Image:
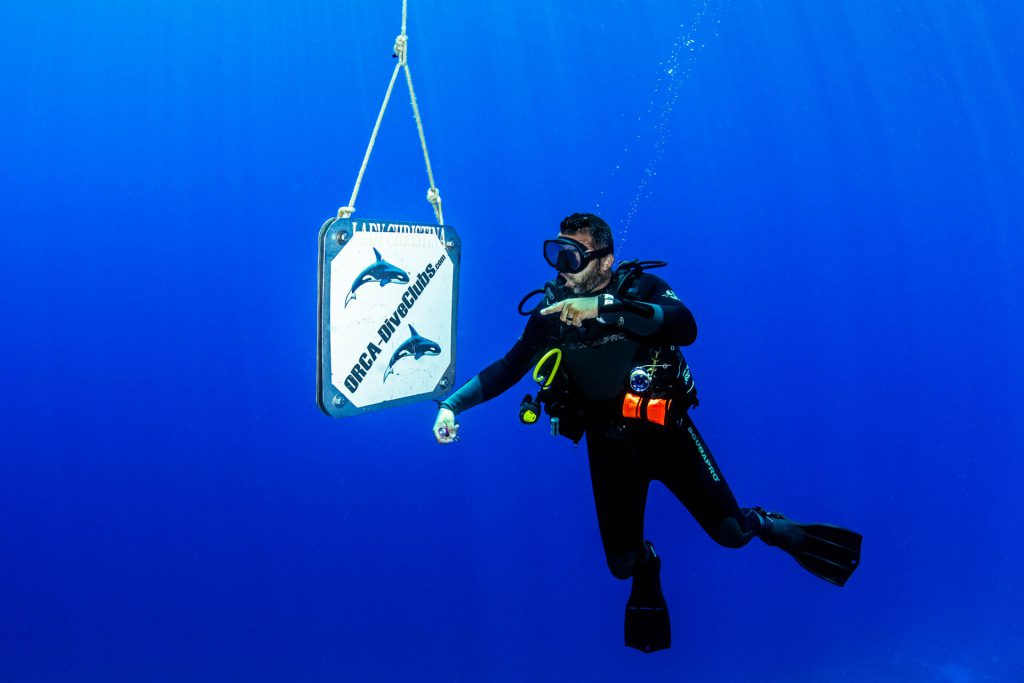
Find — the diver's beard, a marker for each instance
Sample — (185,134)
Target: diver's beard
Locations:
(590,282)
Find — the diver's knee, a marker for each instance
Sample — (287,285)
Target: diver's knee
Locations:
(731,534)
(623,565)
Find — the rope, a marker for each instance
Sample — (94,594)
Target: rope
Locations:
(400,51)
(349,209)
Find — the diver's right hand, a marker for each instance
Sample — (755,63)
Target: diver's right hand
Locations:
(445,429)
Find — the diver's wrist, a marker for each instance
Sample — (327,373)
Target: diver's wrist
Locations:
(614,305)
(606,303)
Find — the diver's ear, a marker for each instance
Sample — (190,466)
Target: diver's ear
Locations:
(607,261)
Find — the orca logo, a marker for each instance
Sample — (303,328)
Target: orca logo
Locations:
(379,271)
(414,347)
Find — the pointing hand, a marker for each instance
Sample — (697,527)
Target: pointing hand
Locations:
(574,311)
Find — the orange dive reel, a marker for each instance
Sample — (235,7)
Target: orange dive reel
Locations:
(646,408)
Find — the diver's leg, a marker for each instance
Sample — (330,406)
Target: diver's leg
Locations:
(829,552)
(685,465)
(620,480)
(620,495)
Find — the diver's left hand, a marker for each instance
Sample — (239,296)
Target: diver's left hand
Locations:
(574,311)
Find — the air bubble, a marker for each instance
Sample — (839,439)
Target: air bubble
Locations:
(669,82)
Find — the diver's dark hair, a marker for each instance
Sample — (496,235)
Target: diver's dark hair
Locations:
(591,225)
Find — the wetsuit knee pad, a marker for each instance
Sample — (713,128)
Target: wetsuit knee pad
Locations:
(624,565)
(732,533)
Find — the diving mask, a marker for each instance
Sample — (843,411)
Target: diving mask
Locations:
(569,256)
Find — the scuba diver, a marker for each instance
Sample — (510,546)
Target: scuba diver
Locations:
(605,347)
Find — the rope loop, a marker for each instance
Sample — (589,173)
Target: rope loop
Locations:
(400,47)
(434,197)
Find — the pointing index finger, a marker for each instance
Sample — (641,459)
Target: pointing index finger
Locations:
(553,308)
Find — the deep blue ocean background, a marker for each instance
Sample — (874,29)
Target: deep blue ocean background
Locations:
(836,186)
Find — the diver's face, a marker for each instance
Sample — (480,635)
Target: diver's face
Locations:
(597,273)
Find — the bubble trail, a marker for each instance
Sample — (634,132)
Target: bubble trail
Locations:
(675,69)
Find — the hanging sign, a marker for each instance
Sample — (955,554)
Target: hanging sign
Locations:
(388,310)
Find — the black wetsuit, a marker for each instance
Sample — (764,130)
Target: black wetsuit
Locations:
(625,455)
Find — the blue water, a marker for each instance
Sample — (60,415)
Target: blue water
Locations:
(837,187)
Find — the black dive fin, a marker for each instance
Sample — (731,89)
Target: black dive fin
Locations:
(647,624)
(829,552)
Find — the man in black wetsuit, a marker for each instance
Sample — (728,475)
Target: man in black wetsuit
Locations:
(607,333)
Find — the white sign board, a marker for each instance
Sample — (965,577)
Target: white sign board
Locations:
(388,305)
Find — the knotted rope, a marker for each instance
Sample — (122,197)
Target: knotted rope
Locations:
(400,52)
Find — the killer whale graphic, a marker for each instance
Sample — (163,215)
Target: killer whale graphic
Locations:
(415,347)
(379,271)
